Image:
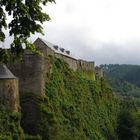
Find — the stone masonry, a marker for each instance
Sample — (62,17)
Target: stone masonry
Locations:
(9,92)
(32,71)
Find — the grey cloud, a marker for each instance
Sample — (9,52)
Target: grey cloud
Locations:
(117,54)
(76,40)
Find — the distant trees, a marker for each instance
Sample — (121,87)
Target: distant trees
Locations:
(124,79)
(26,19)
(129,73)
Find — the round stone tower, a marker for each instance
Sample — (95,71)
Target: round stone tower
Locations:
(9,93)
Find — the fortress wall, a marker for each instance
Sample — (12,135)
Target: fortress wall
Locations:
(57,55)
(50,52)
(86,69)
(33,70)
(30,73)
(41,46)
(91,66)
(70,61)
(85,65)
(75,64)
(99,72)
(9,94)
(47,69)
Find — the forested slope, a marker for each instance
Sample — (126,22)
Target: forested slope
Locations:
(129,73)
(124,79)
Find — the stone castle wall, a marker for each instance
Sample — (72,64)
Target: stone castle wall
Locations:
(85,65)
(73,63)
(98,72)
(32,71)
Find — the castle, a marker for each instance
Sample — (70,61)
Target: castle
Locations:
(33,70)
(50,49)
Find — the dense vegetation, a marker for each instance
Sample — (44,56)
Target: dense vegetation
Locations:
(124,79)
(74,108)
(129,73)
(129,125)
(10,125)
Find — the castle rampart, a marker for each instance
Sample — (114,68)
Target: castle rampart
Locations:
(99,72)
(50,49)
(32,71)
(72,62)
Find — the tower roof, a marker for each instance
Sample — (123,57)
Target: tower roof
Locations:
(5,73)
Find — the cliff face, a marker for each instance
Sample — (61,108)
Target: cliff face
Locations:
(73,107)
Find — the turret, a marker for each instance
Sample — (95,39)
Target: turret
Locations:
(9,93)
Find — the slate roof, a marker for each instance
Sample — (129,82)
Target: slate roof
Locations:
(52,46)
(5,73)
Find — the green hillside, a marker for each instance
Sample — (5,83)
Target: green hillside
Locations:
(74,108)
(124,79)
(129,73)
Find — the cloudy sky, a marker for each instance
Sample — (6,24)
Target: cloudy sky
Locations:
(106,31)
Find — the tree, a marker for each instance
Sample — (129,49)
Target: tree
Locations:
(27,17)
(129,125)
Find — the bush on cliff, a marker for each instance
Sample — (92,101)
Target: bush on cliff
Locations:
(129,125)
(10,125)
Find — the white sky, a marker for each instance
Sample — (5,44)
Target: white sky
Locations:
(106,31)
(104,20)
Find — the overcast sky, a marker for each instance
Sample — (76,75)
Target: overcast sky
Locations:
(105,31)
